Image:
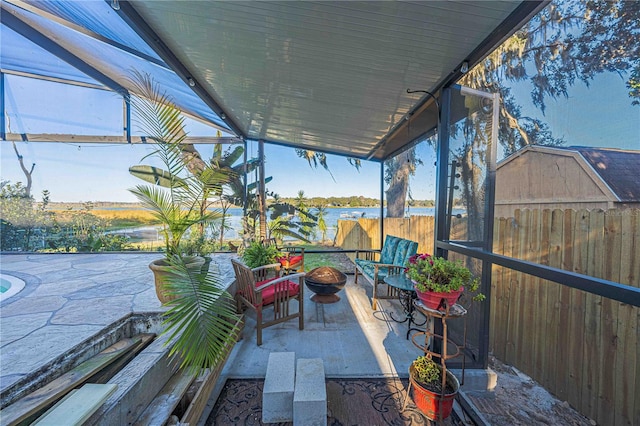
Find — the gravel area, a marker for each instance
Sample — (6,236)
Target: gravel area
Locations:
(519,400)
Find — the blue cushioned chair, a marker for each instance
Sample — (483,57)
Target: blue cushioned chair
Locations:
(395,253)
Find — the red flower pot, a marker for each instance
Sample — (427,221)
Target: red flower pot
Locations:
(435,300)
(435,406)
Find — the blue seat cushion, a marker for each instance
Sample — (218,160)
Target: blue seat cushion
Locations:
(389,249)
(363,262)
(406,249)
(411,250)
(369,271)
(401,252)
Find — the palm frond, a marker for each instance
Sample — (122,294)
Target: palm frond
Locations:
(202,317)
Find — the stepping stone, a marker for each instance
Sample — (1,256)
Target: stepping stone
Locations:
(277,395)
(310,397)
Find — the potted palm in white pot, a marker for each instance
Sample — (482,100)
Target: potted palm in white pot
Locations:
(176,193)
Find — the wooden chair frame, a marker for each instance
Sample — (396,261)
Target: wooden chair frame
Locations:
(288,251)
(387,292)
(249,295)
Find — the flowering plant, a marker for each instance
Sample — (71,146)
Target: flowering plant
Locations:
(438,274)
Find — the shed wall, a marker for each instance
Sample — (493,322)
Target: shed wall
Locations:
(537,180)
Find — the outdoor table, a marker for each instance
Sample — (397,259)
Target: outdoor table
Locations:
(406,295)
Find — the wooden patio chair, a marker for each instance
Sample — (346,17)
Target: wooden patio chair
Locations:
(258,294)
(292,258)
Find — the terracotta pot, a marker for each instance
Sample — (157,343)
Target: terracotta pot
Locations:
(434,405)
(435,300)
(161,271)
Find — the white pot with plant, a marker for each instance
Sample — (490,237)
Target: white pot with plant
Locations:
(178,192)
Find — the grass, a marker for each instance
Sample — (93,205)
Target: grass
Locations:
(315,260)
(126,218)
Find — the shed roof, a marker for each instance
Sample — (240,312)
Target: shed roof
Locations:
(618,168)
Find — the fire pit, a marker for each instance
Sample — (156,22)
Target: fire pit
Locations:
(325,282)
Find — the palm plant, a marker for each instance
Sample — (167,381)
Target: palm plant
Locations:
(321,212)
(200,320)
(176,197)
(280,227)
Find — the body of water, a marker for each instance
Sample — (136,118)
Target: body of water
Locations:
(331,219)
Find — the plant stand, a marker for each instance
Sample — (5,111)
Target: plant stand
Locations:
(444,402)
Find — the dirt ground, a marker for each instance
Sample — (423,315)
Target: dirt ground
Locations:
(519,400)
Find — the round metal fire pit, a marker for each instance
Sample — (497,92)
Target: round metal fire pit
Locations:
(325,282)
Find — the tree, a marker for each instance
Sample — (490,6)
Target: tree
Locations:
(397,173)
(20,217)
(301,201)
(566,42)
(321,212)
(27,172)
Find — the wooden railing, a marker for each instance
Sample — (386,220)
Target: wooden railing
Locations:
(581,347)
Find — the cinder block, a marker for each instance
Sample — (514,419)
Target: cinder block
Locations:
(277,395)
(477,379)
(310,397)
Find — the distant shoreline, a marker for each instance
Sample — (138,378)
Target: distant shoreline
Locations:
(311,202)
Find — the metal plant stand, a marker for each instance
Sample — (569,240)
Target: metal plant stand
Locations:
(450,312)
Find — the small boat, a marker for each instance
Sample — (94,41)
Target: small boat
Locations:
(351,215)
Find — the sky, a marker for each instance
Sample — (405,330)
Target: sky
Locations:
(601,115)
(100,173)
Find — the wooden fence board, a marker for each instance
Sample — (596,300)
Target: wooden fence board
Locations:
(636,403)
(521,338)
(540,313)
(563,350)
(578,320)
(627,367)
(629,316)
(512,246)
(553,323)
(608,326)
(498,301)
(529,307)
(593,350)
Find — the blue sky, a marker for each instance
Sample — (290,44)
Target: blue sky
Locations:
(598,116)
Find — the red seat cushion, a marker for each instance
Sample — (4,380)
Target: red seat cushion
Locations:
(269,293)
(289,261)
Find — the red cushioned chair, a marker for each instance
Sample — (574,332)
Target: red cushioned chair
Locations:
(257,294)
(292,259)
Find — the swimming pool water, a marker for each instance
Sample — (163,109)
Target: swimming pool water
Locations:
(9,286)
(4,285)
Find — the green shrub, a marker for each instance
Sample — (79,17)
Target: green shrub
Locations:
(258,254)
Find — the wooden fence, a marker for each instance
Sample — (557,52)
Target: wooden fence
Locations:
(583,348)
